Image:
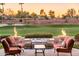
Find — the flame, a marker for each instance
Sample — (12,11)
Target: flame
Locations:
(63,32)
(15,31)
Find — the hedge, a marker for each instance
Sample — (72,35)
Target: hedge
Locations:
(38,35)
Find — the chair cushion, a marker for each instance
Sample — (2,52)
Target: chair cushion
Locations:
(14,48)
(63,44)
(66,41)
(11,40)
(57,46)
(21,45)
(63,50)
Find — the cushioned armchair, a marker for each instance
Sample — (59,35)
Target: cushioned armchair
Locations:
(67,47)
(62,44)
(14,42)
(10,50)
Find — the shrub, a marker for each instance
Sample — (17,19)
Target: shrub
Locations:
(76,46)
(28,46)
(1,46)
(77,37)
(38,35)
(49,45)
(0,17)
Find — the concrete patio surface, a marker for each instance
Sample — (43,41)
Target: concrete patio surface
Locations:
(48,52)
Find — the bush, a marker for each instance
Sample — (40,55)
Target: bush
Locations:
(77,37)
(76,46)
(38,35)
(49,45)
(28,46)
(1,46)
(0,17)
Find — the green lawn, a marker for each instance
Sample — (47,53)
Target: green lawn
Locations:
(71,30)
(54,29)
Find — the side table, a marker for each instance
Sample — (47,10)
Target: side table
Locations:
(39,47)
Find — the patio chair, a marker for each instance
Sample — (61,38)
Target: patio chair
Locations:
(10,50)
(14,42)
(67,48)
(1,37)
(60,44)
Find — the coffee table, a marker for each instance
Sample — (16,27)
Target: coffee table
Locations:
(39,47)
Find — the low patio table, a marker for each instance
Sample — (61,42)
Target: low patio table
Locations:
(39,47)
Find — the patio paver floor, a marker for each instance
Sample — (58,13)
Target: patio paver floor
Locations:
(48,52)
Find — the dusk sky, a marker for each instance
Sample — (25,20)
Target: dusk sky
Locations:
(59,8)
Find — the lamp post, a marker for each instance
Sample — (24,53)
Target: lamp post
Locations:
(21,4)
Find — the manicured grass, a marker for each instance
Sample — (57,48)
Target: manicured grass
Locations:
(54,29)
(71,30)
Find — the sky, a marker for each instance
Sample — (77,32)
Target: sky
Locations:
(59,8)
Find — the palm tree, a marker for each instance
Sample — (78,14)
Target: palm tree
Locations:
(1,11)
(34,15)
(10,13)
(52,14)
(42,13)
(71,12)
(21,4)
(2,6)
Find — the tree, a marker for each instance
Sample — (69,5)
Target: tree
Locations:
(23,14)
(78,14)
(63,16)
(21,4)
(1,11)
(10,14)
(43,14)
(28,15)
(71,12)
(2,6)
(34,15)
(52,14)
